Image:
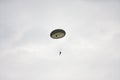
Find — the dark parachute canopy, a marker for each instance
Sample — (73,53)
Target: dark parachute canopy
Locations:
(57,34)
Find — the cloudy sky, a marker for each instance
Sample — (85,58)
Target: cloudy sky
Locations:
(90,49)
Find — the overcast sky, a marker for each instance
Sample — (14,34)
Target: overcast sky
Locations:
(90,49)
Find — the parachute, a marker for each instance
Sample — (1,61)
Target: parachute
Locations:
(57,34)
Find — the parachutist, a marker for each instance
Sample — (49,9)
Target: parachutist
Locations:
(60,53)
(58,34)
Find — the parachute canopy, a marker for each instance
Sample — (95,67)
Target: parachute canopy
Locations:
(57,34)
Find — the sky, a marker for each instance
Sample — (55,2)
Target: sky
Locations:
(90,48)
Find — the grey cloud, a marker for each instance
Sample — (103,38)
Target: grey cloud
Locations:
(90,49)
